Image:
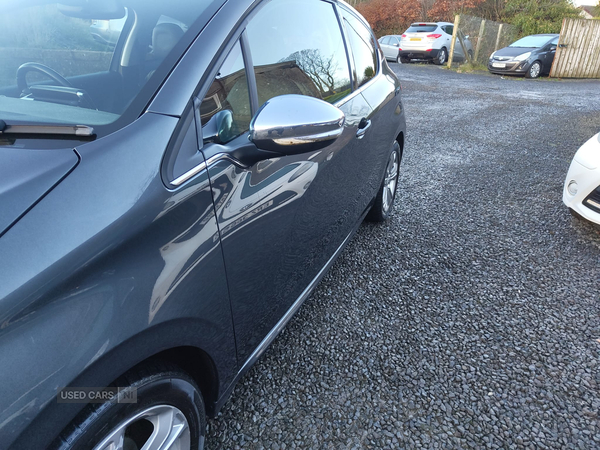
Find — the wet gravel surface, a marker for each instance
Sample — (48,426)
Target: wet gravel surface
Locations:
(472,318)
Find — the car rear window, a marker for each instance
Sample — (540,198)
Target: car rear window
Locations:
(418,28)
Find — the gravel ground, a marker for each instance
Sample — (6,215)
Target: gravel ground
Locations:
(471,319)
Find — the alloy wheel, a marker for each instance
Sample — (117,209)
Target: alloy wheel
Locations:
(162,427)
(534,70)
(391,179)
(442,56)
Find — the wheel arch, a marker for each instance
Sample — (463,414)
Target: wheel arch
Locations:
(400,141)
(172,342)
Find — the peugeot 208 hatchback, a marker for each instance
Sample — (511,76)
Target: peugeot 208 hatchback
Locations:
(169,198)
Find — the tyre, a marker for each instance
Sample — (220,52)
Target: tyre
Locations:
(535,70)
(381,209)
(441,57)
(169,408)
(404,60)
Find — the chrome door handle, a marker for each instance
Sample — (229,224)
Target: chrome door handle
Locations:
(363,127)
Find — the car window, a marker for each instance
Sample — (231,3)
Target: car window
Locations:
(531,41)
(394,41)
(421,28)
(63,56)
(554,41)
(44,35)
(297,48)
(363,50)
(386,40)
(229,91)
(449,29)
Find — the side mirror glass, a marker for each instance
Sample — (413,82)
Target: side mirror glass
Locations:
(219,129)
(293,124)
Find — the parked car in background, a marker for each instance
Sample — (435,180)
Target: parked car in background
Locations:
(390,46)
(431,41)
(531,56)
(581,192)
(163,217)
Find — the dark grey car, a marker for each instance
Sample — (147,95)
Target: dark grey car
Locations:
(531,56)
(168,201)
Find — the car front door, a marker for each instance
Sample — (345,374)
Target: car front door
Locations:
(384,43)
(547,55)
(394,47)
(281,219)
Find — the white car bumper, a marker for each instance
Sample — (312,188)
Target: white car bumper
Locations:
(582,179)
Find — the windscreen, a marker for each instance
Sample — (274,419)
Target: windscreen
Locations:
(84,63)
(531,41)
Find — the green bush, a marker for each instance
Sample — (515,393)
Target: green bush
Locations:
(538,16)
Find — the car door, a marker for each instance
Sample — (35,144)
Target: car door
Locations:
(281,219)
(384,43)
(547,55)
(381,94)
(394,47)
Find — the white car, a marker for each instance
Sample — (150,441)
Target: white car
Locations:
(581,192)
(425,40)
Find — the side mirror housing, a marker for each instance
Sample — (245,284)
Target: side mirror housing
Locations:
(293,124)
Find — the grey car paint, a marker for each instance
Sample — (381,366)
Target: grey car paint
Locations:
(544,54)
(111,266)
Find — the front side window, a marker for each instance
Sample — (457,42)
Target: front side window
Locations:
(385,40)
(363,50)
(297,48)
(229,92)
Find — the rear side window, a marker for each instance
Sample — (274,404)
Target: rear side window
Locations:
(297,48)
(417,28)
(385,40)
(363,50)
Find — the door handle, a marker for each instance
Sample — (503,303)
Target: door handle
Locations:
(363,127)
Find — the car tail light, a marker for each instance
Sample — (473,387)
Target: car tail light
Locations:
(429,49)
(399,50)
(403,35)
(434,36)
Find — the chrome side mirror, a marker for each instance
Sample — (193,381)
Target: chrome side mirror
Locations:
(292,124)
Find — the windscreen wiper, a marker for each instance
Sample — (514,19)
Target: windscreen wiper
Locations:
(48,129)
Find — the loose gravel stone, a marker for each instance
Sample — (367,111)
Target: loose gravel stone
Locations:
(471,319)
